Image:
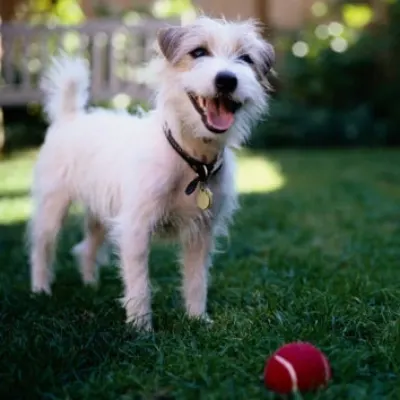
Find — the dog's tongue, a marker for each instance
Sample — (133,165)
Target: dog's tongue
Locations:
(218,116)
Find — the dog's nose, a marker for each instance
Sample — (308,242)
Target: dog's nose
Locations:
(226,82)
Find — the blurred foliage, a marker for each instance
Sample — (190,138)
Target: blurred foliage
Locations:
(339,82)
(69,12)
(338,78)
(172,8)
(25,127)
(65,12)
(60,12)
(155,9)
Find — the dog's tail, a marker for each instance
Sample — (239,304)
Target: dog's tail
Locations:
(65,86)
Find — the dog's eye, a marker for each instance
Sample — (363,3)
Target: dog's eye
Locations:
(246,58)
(199,52)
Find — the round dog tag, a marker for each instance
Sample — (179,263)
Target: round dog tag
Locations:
(204,198)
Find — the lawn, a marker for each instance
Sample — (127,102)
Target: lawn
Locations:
(313,255)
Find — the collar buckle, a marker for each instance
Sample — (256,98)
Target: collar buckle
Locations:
(203,170)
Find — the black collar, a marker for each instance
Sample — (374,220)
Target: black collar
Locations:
(203,170)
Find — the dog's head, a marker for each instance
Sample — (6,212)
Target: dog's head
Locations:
(214,73)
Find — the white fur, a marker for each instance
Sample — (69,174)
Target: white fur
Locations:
(65,86)
(123,170)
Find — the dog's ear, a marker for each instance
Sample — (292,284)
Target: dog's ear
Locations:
(169,40)
(268,58)
(264,66)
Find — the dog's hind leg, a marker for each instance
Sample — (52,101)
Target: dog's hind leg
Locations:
(87,250)
(49,212)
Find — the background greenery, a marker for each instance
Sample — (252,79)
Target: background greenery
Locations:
(338,79)
(344,90)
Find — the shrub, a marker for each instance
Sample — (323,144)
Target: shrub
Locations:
(340,88)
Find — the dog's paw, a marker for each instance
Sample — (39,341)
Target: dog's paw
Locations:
(204,318)
(140,323)
(91,281)
(77,250)
(90,277)
(41,289)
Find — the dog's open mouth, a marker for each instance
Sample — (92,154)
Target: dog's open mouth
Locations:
(217,113)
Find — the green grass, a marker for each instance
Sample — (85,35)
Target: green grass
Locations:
(314,255)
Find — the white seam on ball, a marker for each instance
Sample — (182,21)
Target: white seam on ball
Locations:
(289,367)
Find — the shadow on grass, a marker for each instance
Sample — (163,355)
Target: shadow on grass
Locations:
(298,255)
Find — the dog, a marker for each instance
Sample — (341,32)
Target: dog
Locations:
(169,173)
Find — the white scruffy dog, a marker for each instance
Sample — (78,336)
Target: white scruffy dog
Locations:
(169,172)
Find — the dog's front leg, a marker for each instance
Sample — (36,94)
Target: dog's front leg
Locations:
(196,260)
(134,249)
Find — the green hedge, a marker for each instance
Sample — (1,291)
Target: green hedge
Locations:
(25,127)
(331,98)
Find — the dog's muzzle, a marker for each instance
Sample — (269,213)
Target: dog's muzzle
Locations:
(217,113)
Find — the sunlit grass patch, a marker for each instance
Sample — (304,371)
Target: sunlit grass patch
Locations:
(15,180)
(257,174)
(16,172)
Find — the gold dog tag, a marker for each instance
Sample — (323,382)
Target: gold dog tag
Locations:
(204,197)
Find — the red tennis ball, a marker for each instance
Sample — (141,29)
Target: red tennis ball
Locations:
(298,366)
